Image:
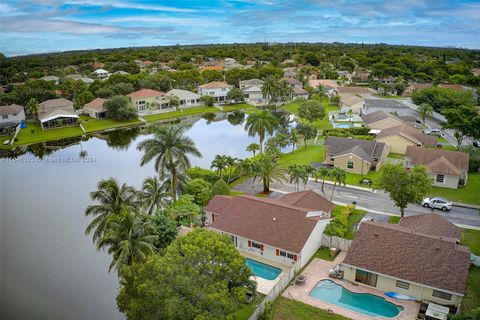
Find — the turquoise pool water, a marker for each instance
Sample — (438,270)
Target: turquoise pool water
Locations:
(263,270)
(343,125)
(364,303)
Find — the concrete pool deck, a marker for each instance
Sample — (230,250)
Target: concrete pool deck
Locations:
(264,286)
(318,270)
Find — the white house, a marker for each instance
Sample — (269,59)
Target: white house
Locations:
(288,230)
(216,89)
(10,117)
(187,98)
(101,73)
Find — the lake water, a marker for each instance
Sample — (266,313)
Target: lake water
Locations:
(49,268)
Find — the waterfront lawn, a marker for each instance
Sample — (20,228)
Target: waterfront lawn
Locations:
(472,291)
(240,106)
(353,220)
(92,124)
(471,239)
(179,113)
(26,136)
(324,253)
(303,156)
(2,139)
(286,309)
(320,124)
(468,194)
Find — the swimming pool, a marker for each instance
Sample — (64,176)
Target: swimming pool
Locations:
(343,125)
(263,270)
(364,303)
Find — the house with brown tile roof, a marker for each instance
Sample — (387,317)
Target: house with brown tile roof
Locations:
(398,138)
(278,230)
(216,89)
(380,120)
(354,90)
(149,101)
(351,102)
(355,155)
(432,224)
(452,86)
(447,169)
(95,109)
(415,87)
(396,258)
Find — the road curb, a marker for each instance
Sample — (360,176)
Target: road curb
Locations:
(350,186)
(466,205)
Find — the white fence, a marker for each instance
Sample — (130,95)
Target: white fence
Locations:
(336,242)
(275,292)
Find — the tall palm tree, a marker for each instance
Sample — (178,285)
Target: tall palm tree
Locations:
(295,138)
(269,170)
(426,110)
(154,194)
(284,90)
(269,89)
(338,175)
(129,239)
(297,173)
(170,148)
(231,166)
(321,173)
(219,163)
(111,198)
(246,168)
(253,147)
(260,123)
(32,108)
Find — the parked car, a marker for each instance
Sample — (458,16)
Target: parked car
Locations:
(476,143)
(433,132)
(437,203)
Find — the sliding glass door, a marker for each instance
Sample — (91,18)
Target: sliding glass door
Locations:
(366,277)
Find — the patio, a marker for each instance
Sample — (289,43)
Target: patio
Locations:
(318,270)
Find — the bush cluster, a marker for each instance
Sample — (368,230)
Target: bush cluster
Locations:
(338,227)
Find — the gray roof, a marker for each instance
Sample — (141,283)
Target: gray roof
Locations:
(183,94)
(377,116)
(11,109)
(365,149)
(50,106)
(251,82)
(384,103)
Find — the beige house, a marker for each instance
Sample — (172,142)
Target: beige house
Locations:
(57,113)
(355,155)
(380,120)
(447,169)
(287,231)
(186,98)
(420,258)
(95,109)
(149,101)
(415,87)
(351,103)
(398,138)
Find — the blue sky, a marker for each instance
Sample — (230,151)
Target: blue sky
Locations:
(37,26)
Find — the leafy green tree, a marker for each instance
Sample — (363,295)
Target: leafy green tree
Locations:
(221,188)
(474,157)
(201,190)
(111,198)
(442,98)
(208,101)
(129,239)
(426,111)
(169,148)
(184,211)
(174,102)
(235,95)
(311,110)
(164,228)
(155,194)
(321,173)
(284,90)
(84,98)
(253,147)
(464,121)
(269,170)
(32,108)
(260,123)
(205,174)
(338,176)
(404,187)
(200,276)
(246,168)
(118,108)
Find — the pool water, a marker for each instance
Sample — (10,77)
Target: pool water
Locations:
(364,303)
(263,270)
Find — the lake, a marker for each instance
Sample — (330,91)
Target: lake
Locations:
(49,268)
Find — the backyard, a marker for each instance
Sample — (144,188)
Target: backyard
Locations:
(471,239)
(286,309)
(92,124)
(319,124)
(34,133)
(303,155)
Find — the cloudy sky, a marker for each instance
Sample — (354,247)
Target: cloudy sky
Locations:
(36,26)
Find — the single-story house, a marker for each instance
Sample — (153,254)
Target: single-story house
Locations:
(253,94)
(294,83)
(351,102)
(380,120)
(149,100)
(409,259)
(290,72)
(432,224)
(216,89)
(361,91)
(447,169)
(101,73)
(251,82)
(389,106)
(361,75)
(56,113)
(95,109)
(399,137)
(299,93)
(415,87)
(322,82)
(355,155)
(10,117)
(288,230)
(187,98)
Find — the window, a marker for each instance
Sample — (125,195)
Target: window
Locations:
(290,256)
(5,116)
(234,240)
(375,159)
(286,254)
(403,284)
(441,295)
(440,178)
(350,164)
(366,277)
(283,253)
(257,245)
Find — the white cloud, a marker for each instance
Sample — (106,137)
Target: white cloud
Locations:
(126,5)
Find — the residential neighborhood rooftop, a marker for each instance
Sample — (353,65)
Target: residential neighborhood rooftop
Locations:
(439,160)
(411,133)
(10,109)
(365,149)
(432,224)
(144,93)
(215,84)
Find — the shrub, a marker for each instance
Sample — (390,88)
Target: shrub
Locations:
(221,188)
(345,132)
(205,174)
(338,226)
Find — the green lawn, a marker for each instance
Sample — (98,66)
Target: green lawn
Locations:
(286,309)
(240,106)
(320,124)
(441,139)
(354,179)
(324,253)
(394,219)
(353,219)
(181,113)
(396,156)
(387,96)
(472,292)
(469,194)
(303,156)
(471,239)
(26,136)
(246,311)
(92,124)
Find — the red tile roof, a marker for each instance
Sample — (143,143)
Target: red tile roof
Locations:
(95,104)
(145,93)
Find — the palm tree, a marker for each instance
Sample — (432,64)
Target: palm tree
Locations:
(269,170)
(297,173)
(246,170)
(231,166)
(260,123)
(284,90)
(426,110)
(32,107)
(111,198)
(154,194)
(321,173)
(170,148)
(295,138)
(269,89)
(219,163)
(253,147)
(338,175)
(129,239)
